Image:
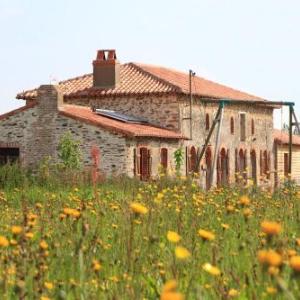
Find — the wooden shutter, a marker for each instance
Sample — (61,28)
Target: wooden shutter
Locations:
(136,161)
(164,158)
(260,163)
(228,165)
(149,163)
(286,164)
(245,172)
(237,168)
(268,164)
(219,170)
(188,160)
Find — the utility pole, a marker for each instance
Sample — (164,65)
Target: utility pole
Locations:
(291,112)
(191,75)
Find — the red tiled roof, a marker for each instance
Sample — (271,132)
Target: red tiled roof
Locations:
(141,79)
(85,114)
(18,110)
(282,138)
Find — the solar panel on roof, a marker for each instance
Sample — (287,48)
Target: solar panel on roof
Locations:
(121,117)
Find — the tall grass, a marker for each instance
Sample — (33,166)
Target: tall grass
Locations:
(73,245)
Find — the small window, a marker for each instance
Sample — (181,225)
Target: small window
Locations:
(231,125)
(164,158)
(243,127)
(252,127)
(207,125)
(9,155)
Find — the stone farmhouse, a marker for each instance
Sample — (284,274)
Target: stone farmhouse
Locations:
(138,115)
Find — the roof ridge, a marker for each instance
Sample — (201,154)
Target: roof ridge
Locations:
(155,77)
(198,77)
(75,78)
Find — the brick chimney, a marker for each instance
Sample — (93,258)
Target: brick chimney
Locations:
(106,70)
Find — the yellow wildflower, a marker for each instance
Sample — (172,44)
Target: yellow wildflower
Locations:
(269,257)
(169,291)
(173,237)
(71,212)
(206,235)
(29,235)
(96,265)
(225,226)
(43,245)
(48,285)
(295,263)
(270,228)
(182,253)
(271,290)
(138,208)
(3,241)
(211,269)
(233,293)
(244,200)
(16,230)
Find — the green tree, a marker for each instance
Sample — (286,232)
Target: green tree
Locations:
(69,151)
(178,157)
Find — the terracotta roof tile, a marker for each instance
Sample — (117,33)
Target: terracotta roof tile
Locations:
(282,138)
(141,79)
(85,114)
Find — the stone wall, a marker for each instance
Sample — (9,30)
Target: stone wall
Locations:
(159,110)
(261,139)
(37,131)
(155,146)
(15,131)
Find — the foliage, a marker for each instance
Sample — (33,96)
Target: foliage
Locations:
(179,158)
(12,175)
(136,237)
(69,151)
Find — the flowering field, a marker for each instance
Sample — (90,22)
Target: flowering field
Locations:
(151,241)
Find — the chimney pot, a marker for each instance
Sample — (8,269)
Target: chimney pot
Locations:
(106,69)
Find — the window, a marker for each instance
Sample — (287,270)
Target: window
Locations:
(252,127)
(207,125)
(243,127)
(164,158)
(9,155)
(231,125)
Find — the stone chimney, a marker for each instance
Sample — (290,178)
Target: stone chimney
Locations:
(49,98)
(106,70)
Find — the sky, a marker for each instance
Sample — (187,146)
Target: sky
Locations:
(253,46)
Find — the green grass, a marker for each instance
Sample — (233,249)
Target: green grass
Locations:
(135,256)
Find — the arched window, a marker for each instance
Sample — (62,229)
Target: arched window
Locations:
(231,125)
(164,158)
(252,127)
(207,125)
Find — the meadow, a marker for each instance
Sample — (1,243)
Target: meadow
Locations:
(166,240)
